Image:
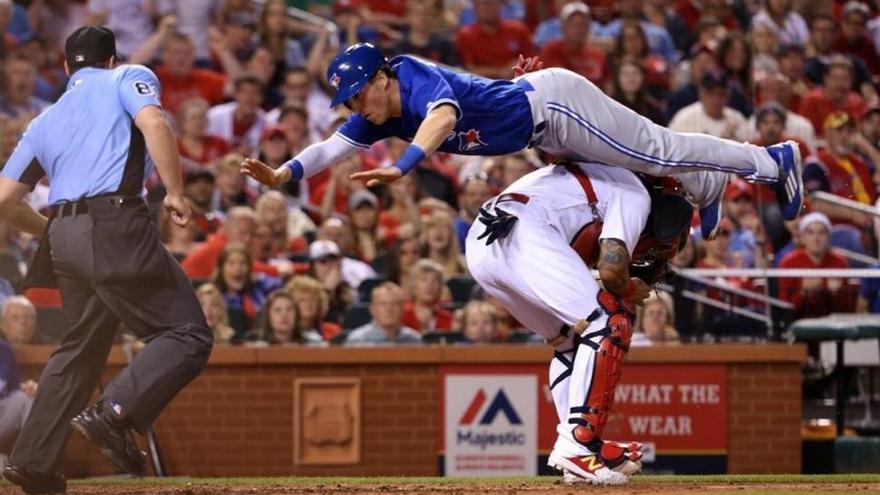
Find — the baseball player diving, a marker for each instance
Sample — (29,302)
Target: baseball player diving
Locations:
(532,248)
(555,110)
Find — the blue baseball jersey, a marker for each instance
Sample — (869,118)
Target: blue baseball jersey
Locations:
(87,142)
(494,116)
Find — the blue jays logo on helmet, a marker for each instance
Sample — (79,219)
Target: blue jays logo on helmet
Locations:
(350,71)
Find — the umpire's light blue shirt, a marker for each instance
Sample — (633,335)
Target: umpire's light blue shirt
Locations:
(87,142)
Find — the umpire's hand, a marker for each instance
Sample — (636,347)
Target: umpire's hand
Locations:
(178,208)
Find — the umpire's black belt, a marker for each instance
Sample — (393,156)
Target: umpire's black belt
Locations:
(81,206)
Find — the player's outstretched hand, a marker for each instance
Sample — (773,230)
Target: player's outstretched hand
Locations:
(526,65)
(378,176)
(178,208)
(263,173)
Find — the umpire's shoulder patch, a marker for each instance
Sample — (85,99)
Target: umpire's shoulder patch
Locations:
(144,88)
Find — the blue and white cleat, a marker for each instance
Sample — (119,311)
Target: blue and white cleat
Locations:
(789,187)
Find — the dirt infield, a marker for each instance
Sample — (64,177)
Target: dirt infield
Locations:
(536,486)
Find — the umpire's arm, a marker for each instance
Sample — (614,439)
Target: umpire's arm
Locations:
(17,178)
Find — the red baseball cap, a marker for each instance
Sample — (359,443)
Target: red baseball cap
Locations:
(271,131)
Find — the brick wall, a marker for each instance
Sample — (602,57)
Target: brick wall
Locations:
(764,418)
(237,417)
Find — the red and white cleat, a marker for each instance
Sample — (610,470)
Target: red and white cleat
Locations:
(586,470)
(622,457)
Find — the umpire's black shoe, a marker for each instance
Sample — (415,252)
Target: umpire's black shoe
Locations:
(33,482)
(104,427)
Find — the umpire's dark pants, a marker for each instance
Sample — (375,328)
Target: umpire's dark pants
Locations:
(111,267)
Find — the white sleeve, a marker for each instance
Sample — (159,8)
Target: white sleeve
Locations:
(626,214)
(319,156)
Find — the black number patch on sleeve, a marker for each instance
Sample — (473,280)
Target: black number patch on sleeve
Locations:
(143,88)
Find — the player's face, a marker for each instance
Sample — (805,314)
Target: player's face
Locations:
(373,101)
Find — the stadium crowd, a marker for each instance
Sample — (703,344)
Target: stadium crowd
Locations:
(327,260)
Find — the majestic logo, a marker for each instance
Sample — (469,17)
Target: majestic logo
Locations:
(469,140)
(500,404)
(334,81)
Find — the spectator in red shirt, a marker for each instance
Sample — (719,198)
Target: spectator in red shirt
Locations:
(847,175)
(241,223)
(424,312)
(852,40)
(835,95)
(816,296)
(181,80)
(197,148)
(573,50)
(490,47)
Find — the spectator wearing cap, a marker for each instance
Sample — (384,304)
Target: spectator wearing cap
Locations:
(274,148)
(240,122)
(840,171)
(18,100)
(425,311)
(789,25)
(420,37)
(835,95)
(181,79)
(702,61)
(781,123)
(853,40)
(386,327)
(747,236)
(338,231)
(325,265)
(196,146)
(573,51)
(815,296)
(490,47)
(198,187)
(630,11)
(823,32)
(711,115)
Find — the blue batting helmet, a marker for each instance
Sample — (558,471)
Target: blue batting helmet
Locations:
(351,69)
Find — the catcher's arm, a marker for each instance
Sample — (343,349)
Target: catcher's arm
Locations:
(613,267)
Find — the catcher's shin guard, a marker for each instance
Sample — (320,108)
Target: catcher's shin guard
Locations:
(610,345)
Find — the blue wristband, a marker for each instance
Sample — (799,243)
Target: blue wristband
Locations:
(410,158)
(296,170)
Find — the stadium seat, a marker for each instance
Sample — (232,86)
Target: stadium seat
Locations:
(356,315)
(461,288)
(856,454)
(365,290)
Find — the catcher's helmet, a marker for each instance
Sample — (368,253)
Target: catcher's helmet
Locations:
(351,69)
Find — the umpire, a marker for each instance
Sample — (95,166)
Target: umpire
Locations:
(97,145)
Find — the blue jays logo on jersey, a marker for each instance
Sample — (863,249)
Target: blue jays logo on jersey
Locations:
(469,140)
(334,81)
